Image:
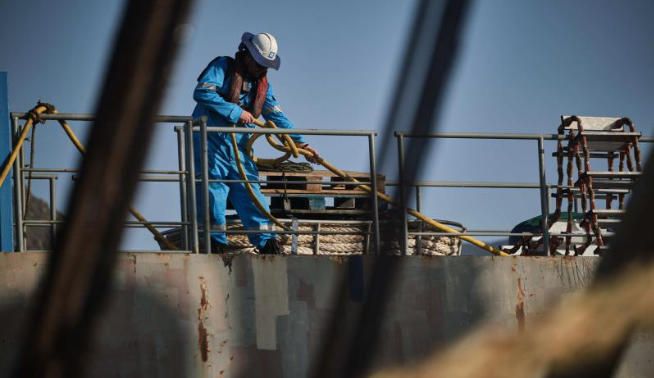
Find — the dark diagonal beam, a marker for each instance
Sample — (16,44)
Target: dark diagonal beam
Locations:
(79,271)
(433,46)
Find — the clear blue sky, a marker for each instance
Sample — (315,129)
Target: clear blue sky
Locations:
(521,66)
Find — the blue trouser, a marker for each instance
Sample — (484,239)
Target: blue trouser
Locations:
(222,165)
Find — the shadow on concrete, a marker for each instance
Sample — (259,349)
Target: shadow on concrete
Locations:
(437,300)
(136,336)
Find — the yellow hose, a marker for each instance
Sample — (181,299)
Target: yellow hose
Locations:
(289,144)
(42,108)
(157,235)
(248,186)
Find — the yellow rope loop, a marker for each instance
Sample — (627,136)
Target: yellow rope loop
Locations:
(248,186)
(34,114)
(263,161)
(31,118)
(286,139)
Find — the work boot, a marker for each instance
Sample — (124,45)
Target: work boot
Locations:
(217,247)
(272,247)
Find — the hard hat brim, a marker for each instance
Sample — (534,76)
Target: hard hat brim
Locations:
(246,38)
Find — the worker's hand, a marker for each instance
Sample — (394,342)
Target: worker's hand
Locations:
(316,155)
(246,117)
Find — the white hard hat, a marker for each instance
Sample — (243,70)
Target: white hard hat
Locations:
(263,48)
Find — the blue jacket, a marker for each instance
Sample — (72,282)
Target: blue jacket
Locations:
(212,89)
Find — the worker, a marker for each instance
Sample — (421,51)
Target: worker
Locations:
(236,91)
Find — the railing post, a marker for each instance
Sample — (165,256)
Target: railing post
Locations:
(544,194)
(53,210)
(205,185)
(6,232)
(405,226)
(418,250)
(183,201)
(294,237)
(192,188)
(373,185)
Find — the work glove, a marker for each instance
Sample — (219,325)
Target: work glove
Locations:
(316,155)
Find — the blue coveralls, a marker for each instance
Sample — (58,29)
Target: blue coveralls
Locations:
(213,84)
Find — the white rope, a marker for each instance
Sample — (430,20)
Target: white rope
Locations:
(342,244)
(349,244)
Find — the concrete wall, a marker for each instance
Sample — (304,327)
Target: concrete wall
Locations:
(175,315)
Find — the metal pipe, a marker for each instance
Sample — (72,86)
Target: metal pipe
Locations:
(373,193)
(474,135)
(205,184)
(181,161)
(149,178)
(192,188)
(294,236)
(53,209)
(353,183)
(469,184)
(33,222)
(18,190)
(404,242)
(479,184)
(183,119)
(491,233)
(316,240)
(420,225)
(291,232)
(507,136)
(247,130)
(321,221)
(88,117)
(67,170)
(544,194)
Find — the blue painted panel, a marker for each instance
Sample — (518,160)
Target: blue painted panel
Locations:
(6,211)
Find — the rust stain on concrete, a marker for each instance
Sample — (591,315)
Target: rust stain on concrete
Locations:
(520,306)
(203,338)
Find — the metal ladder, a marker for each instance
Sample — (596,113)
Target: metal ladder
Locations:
(593,139)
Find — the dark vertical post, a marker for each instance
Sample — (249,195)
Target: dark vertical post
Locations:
(429,57)
(403,193)
(53,209)
(6,221)
(373,185)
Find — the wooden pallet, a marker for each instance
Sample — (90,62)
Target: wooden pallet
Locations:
(309,193)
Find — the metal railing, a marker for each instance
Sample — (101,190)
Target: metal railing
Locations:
(193,233)
(542,185)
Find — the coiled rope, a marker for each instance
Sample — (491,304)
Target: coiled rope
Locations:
(352,241)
